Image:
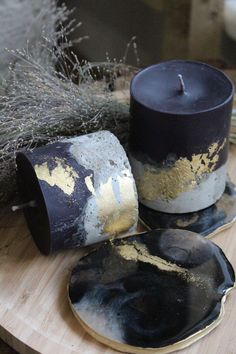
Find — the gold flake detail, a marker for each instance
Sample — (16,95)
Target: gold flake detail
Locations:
(138,252)
(117,215)
(62,176)
(167,183)
(117,210)
(185,223)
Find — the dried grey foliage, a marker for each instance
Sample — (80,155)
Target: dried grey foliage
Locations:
(22,24)
(40,104)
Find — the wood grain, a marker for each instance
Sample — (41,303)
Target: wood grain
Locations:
(35,316)
(206,23)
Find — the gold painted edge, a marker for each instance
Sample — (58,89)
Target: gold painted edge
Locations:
(145,225)
(126,348)
(221,228)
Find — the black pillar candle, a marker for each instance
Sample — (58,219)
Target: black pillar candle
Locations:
(81,191)
(180,120)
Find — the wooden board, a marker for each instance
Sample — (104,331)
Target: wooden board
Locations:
(35,316)
(206,25)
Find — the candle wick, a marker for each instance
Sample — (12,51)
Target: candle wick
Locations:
(182,84)
(30,204)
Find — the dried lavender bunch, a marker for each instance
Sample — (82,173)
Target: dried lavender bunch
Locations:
(42,104)
(22,24)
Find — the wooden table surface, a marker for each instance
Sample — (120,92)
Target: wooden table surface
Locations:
(35,316)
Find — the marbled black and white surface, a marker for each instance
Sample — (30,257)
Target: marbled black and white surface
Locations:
(162,289)
(207,222)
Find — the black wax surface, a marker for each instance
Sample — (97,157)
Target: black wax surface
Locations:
(158,87)
(53,223)
(166,121)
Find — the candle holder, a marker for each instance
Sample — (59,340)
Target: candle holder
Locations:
(77,191)
(206,222)
(156,292)
(180,121)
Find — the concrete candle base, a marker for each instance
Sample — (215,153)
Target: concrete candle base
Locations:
(175,190)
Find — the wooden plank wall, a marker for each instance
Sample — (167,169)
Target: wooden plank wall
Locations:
(206,24)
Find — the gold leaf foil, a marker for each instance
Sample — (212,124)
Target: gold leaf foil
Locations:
(117,210)
(139,252)
(185,223)
(168,182)
(62,176)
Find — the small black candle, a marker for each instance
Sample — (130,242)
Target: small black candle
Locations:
(180,120)
(77,191)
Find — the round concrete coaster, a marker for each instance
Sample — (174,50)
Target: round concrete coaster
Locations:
(158,292)
(206,222)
